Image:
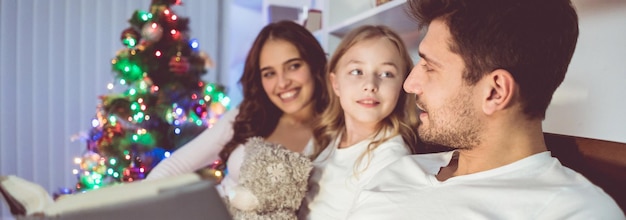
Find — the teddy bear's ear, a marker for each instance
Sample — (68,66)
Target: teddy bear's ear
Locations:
(251,142)
(255,144)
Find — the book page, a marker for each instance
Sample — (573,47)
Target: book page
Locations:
(117,194)
(31,196)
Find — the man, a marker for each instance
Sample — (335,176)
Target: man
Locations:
(486,76)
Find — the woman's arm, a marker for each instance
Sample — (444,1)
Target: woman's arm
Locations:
(199,152)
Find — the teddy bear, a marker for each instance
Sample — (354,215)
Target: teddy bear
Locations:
(272,182)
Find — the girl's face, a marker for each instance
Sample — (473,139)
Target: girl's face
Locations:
(286,77)
(368,80)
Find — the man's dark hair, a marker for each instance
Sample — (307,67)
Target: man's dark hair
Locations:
(532,39)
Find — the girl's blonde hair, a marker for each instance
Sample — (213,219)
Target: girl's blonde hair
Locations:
(402,120)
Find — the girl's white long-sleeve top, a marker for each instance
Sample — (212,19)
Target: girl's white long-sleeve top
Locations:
(335,182)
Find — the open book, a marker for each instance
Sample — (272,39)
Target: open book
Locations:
(185,196)
(23,197)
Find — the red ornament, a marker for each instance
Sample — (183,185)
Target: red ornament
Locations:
(130,33)
(200,110)
(135,171)
(179,65)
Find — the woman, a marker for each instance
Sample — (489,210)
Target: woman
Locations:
(283,92)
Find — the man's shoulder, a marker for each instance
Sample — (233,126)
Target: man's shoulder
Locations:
(583,200)
(438,159)
(571,194)
(409,170)
(425,162)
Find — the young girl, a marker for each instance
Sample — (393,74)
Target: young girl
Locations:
(370,121)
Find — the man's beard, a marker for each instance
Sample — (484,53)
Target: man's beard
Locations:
(455,125)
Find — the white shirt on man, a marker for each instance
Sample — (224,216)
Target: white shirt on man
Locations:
(536,187)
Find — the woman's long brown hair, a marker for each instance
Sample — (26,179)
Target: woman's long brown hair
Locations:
(258,116)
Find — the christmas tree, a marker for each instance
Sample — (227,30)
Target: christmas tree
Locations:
(165,103)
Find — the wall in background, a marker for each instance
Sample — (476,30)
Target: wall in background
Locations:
(590,102)
(243,22)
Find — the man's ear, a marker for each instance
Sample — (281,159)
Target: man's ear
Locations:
(333,82)
(499,91)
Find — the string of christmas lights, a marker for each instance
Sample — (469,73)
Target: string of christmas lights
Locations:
(163,105)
